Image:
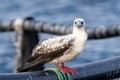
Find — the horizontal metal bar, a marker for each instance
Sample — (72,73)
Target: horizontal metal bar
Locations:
(33,25)
(101,70)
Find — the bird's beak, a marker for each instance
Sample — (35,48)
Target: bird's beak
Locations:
(79,24)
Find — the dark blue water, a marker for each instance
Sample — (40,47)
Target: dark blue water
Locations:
(95,12)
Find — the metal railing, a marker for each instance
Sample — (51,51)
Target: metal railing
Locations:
(27,37)
(101,70)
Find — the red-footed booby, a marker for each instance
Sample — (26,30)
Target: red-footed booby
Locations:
(58,50)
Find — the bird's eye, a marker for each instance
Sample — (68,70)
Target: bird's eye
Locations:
(75,22)
(81,22)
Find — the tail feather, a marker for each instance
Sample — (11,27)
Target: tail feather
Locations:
(24,68)
(29,66)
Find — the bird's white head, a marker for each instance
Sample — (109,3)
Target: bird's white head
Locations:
(79,23)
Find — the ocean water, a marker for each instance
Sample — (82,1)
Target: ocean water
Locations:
(96,13)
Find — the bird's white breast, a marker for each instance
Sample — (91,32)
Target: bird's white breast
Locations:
(79,41)
(78,45)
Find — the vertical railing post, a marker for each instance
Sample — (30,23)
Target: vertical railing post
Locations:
(24,43)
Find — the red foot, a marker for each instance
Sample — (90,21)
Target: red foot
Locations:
(65,69)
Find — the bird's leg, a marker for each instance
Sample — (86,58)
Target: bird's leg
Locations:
(65,69)
(68,69)
(60,68)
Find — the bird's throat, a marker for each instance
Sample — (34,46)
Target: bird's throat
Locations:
(78,31)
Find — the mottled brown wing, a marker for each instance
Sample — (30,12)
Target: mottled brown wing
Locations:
(50,49)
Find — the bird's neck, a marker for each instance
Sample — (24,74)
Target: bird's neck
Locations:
(80,38)
(78,31)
